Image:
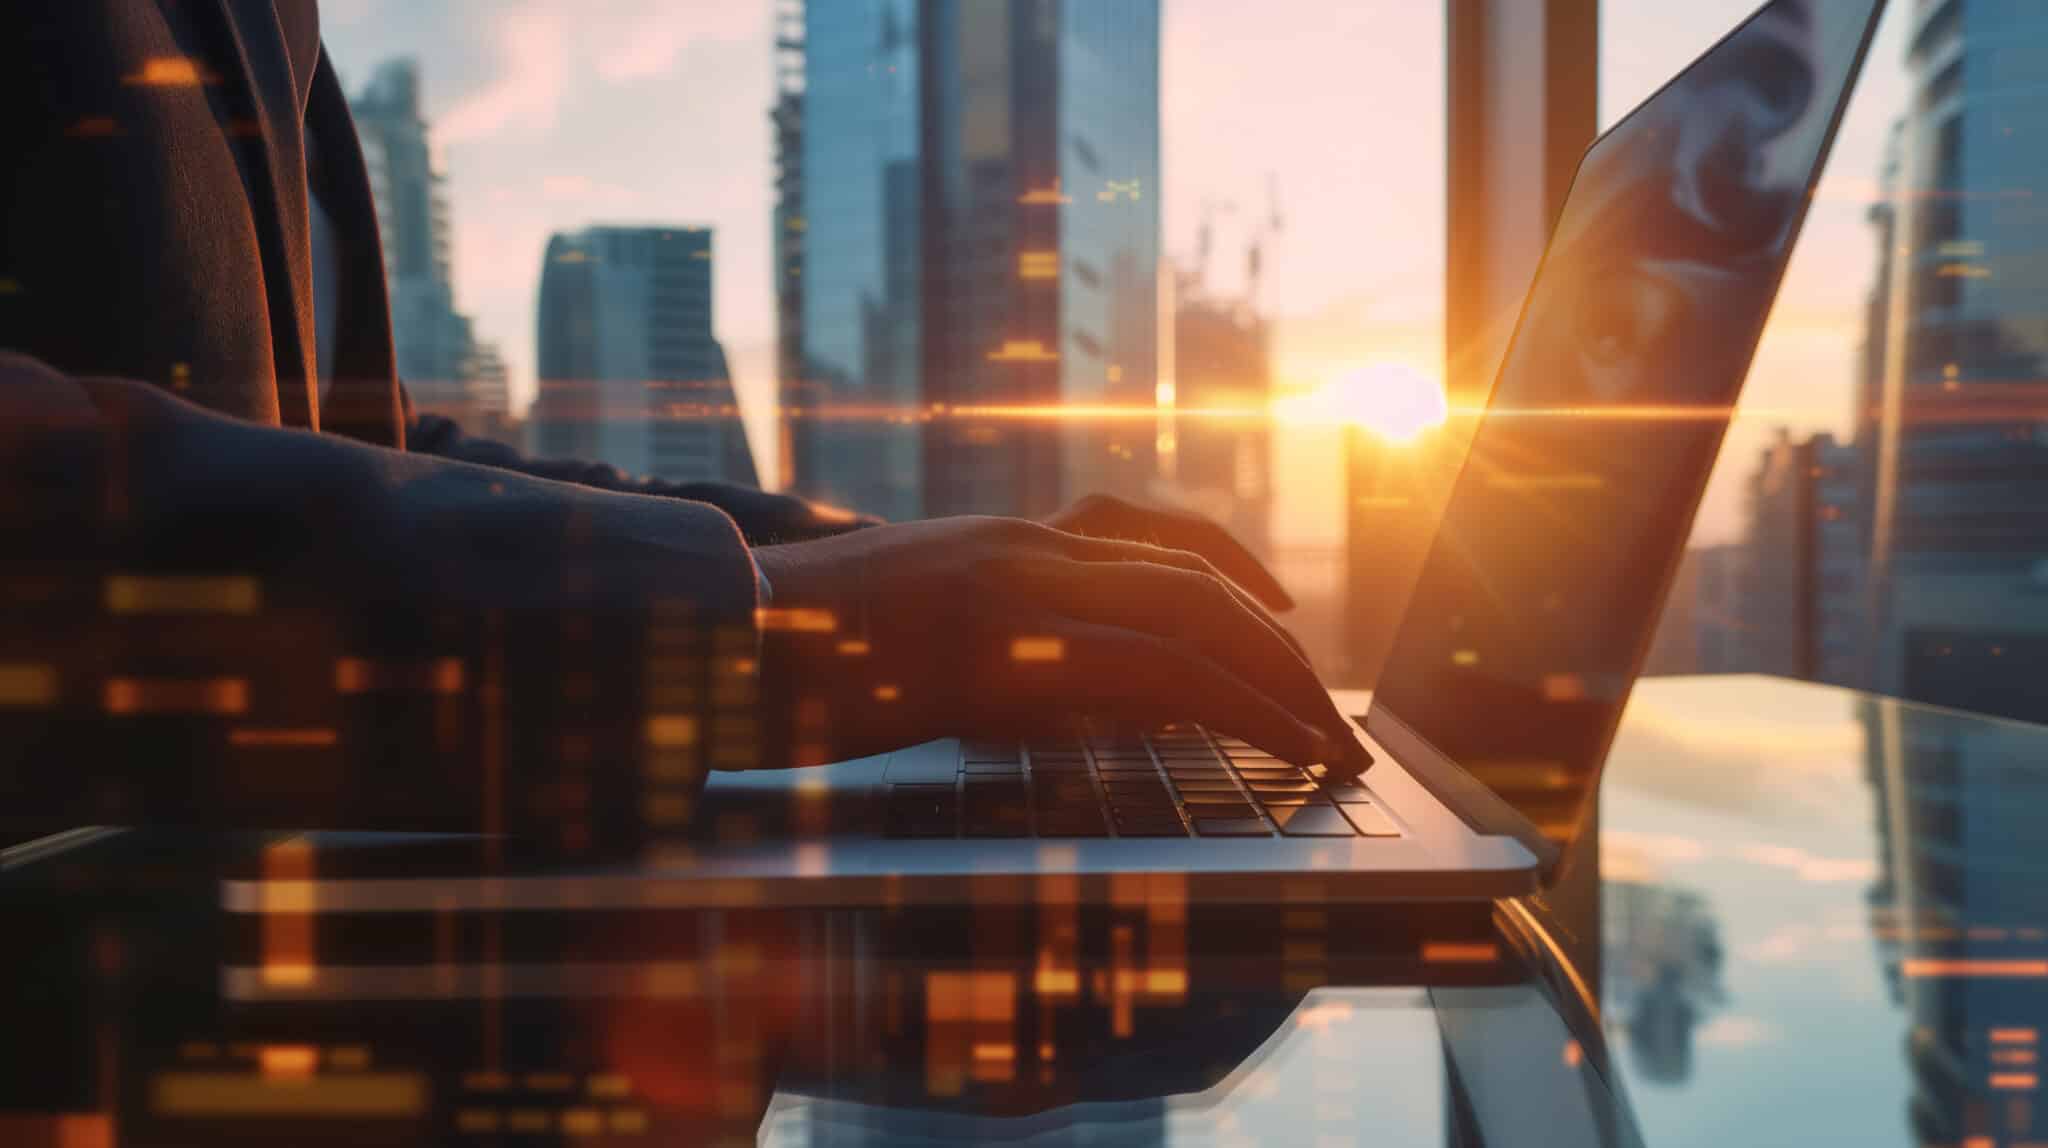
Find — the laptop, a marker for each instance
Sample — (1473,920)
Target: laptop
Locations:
(1521,640)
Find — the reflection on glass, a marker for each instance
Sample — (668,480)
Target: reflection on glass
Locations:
(1960,913)
(1661,953)
(1523,636)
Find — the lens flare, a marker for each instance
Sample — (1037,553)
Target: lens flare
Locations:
(1391,400)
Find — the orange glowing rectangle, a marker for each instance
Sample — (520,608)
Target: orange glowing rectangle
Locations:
(2014,1056)
(1460,952)
(125,696)
(360,675)
(995,1051)
(135,594)
(252,737)
(1056,982)
(369,1094)
(1967,967)
(287,940)
(1044,196)
(855,648)
(2014,1036)
(799,619)
(288,1060)
(672,731)
(59,1129)
(1038,265)
(1166,982)
(1023,351)
(1038,650)
(27,684)
(888,693)
(2013,1081)
(170,72)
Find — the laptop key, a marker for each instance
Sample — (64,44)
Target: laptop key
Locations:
(1231,827)
(1311,821)
(1262,787)
(1371,820)
(1205,785)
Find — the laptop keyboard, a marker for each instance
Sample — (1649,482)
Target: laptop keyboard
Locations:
(1176,781)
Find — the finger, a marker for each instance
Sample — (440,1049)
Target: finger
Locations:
(1193,609)
(1187,530)
(1131,676)
(1114,550)
(1183,530)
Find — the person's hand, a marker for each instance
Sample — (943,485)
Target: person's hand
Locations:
(1107,516)
(1003,628)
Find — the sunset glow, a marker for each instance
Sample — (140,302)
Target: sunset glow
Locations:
(1394,401)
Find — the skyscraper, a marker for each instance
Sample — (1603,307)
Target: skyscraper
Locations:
(630,373)
(1961,530)
(979,189)
(445,370)
(1222,466)
(1789,598)
(787,116)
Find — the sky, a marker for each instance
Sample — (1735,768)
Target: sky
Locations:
(554,114)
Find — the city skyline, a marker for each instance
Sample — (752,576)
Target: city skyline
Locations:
(532,110)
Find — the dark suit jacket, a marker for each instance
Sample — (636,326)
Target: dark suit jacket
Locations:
(160,414)
(157,227)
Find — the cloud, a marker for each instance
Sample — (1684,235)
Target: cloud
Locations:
(527,91)
(638,39)
(1809,868)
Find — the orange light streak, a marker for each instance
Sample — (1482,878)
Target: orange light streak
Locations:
(258,738)
(1965,967)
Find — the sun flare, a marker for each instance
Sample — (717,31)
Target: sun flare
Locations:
(1393,401)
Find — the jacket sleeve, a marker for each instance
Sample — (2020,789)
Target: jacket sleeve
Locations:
(763,518)
(209,620)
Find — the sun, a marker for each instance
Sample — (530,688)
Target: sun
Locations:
(1394,401)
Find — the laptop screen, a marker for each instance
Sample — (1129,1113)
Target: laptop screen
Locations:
(1544,582)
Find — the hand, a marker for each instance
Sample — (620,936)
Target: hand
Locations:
(1107,516)
(1003,628)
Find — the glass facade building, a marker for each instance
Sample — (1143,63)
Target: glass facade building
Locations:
(981,228)
(446,369)
(1961,486)
(629,371)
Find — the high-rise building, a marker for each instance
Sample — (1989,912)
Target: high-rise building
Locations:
(630,373)
(1960,539)
(1961,873)
(444,369)
(787,117)
(1789,598)
(1216,462)
(980,196)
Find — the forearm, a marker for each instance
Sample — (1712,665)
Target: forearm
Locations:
(237,624)
(763,518)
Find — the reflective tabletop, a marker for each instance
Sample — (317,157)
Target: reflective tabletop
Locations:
(1817,921)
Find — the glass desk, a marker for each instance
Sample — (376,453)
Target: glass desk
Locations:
(1819,922)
